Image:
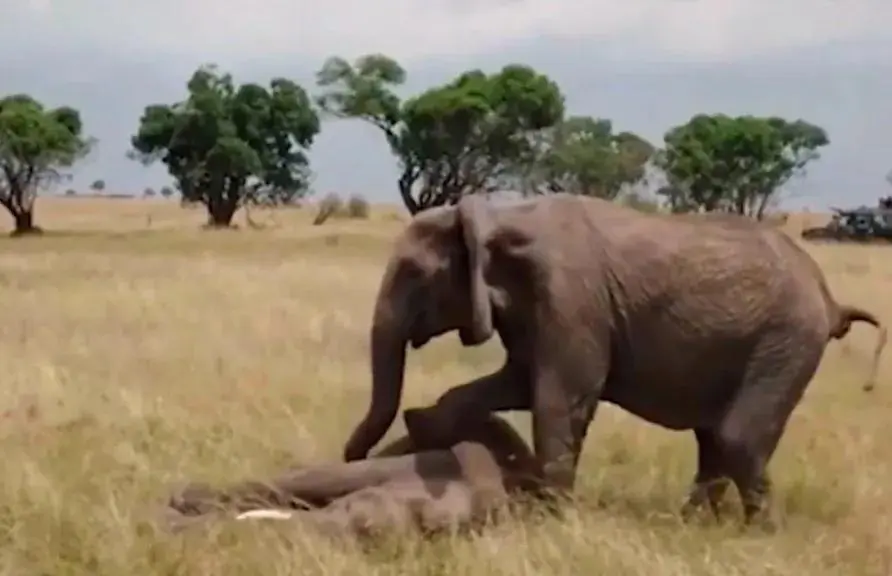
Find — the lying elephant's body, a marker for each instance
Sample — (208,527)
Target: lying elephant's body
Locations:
(691,323)
(415,483)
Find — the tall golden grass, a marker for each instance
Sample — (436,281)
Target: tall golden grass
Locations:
(139,351)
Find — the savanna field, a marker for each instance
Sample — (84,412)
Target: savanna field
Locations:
(140,352)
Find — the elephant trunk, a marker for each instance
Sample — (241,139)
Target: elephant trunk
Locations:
(389,338)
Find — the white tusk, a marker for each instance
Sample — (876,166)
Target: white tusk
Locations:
(265,515)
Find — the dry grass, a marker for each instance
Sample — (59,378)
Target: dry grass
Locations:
(135,359)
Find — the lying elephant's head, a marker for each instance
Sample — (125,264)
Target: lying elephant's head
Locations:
(433,283)
(427,428)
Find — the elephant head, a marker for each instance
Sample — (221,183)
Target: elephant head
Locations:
(434,283)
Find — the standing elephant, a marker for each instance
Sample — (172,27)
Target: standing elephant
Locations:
(688,323)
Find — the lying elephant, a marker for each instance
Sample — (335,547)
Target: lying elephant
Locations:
(417,483)
(689,323)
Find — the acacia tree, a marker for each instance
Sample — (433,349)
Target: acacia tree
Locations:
(455,139)
(583,155)
(227,145)
(36,145)
(736,164)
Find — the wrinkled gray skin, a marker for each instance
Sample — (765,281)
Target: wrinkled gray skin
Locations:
(840,316)
(420,482)
(689,323)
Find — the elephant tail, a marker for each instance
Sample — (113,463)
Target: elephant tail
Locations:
(850,314)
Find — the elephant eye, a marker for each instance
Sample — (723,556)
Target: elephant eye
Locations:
(414,274)
(407,272)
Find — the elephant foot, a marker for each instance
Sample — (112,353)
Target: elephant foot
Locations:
(763,519)
(548,502)
(705,495)
(691,510)
(758,511)
(699,512)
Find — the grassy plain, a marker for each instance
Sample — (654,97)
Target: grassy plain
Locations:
(139,351)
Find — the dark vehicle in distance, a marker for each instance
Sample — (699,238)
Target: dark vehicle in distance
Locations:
(862,224)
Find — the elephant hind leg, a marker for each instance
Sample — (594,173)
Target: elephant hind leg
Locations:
(750,430)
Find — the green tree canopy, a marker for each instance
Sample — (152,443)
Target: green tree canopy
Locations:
(737,164)
(583,155)
(98,185)
(166,191)
(455,139)
(36,145)
(226,145)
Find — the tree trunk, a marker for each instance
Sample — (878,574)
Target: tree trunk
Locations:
(220,213)
(24,224)
(21,207)
(763,205)
(405,183)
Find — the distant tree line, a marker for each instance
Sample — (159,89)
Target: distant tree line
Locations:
(226,145)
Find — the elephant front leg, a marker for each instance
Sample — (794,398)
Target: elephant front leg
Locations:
(710,483)
(565,397)
(506,389)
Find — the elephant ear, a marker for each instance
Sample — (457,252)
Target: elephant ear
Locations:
(475,220)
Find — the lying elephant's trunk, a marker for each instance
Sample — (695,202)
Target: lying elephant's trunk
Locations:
(317,486)
(314,486)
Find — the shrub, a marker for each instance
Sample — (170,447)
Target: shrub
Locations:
(358,207)
(640,202)
(328,207)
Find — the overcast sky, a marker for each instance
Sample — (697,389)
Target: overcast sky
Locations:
(646,64)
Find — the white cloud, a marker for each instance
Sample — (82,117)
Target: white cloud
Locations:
(232,30)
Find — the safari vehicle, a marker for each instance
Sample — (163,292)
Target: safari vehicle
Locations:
(862,224)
